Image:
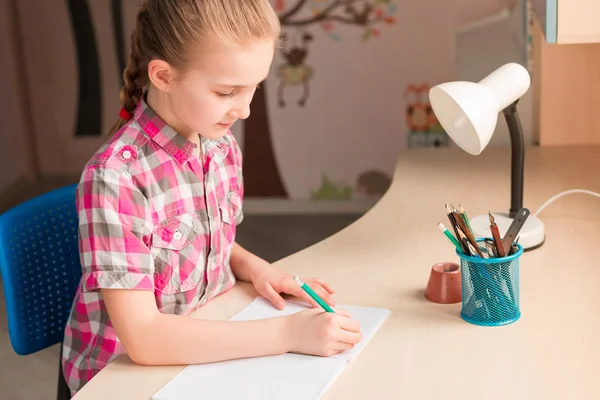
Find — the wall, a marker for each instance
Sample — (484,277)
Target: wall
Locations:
(366,82)
(12,157)
(496,40)
(344,142)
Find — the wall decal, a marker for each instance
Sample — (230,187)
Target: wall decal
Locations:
(261,173)
(424,130)
(330,190)
(89,101)
(373,183)
(295,72)
(369,184)
(116,13)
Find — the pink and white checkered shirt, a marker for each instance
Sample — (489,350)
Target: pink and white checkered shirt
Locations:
(151,217)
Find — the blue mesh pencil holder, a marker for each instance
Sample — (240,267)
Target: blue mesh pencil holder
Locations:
(490,288)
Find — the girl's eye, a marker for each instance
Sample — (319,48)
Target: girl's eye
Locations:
(230,94)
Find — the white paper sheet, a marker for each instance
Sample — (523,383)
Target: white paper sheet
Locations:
(289,376)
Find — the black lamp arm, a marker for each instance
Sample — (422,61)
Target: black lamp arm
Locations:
(517,164)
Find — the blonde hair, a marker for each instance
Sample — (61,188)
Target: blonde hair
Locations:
(165,29)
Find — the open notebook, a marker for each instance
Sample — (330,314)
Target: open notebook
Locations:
(286,376)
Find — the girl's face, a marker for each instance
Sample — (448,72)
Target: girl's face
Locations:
(218,84)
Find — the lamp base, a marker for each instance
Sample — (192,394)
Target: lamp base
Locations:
(531,236)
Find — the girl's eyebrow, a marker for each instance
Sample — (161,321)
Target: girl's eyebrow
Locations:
(241,86)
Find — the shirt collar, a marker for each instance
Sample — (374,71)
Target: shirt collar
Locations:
(181,149)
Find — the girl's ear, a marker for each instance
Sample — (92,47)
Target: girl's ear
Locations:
(160,74)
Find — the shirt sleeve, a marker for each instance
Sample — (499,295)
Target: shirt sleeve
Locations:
(114,232)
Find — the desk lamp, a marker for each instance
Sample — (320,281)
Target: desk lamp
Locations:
(468,112)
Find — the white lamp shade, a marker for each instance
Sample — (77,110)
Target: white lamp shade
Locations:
(468,111)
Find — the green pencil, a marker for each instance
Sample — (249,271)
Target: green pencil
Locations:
(312,294)
(449,236)
(465,218)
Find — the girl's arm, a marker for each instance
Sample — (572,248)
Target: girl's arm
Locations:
(153,338)
(244,264)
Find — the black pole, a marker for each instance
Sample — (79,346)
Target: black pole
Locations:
(517,163)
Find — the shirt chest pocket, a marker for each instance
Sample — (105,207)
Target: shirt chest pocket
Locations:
(177,249)
(230,208)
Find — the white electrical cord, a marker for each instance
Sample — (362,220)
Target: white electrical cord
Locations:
(539,210)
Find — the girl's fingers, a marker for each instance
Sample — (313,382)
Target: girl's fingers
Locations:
(325,285)
(342,346)
(351,338)
(319,282)
(350,324)
(326,297)
(274,297)
(297,291)
(322,292)
(345,313)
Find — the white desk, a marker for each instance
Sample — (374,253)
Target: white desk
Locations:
(425,350)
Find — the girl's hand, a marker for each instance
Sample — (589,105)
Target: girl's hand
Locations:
(319,333)
(269,282)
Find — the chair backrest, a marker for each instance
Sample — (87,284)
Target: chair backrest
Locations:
(40,268)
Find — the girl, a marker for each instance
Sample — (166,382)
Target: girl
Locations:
(159,203)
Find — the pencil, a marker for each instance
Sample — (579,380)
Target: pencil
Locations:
(455,228)
(464,215)
(467,233)
(312,294)
(449,236)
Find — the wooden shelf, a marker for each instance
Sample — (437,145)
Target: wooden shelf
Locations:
(566,92)
(568,21)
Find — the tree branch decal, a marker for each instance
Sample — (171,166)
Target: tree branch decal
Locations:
(284,17)
(361,13)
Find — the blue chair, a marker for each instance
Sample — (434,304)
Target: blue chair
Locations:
(40,270)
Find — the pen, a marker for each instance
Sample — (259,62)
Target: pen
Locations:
(449,236)
(312,294)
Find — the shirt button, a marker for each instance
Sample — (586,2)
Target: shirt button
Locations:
(177,235)
(126,154)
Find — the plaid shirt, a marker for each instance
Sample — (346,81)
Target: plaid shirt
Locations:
(151,217)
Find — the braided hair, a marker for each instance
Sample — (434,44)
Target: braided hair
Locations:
(165,29)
